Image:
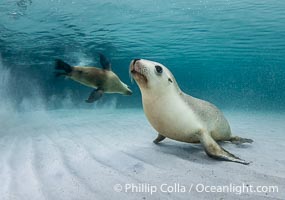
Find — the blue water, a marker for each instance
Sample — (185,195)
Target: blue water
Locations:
(231,53)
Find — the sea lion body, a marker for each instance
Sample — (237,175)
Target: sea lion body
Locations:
(102,80)
(179,116)
(95,77)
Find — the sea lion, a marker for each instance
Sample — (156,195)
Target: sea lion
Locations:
(179,116)
(103,80)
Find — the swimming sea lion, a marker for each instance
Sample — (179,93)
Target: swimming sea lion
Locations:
(103,80)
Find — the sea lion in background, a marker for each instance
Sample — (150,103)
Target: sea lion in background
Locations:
(103,80)
(179,116)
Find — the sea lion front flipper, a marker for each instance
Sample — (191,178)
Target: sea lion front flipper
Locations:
(215,151)
(95,95)
(158,139)
(105,63)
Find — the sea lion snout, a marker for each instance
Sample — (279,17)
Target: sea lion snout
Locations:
(138,71)
(135,60)
(138,67)
(135,67)
(129,92)
(132,66)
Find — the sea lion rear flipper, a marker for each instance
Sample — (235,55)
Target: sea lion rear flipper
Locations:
(215,151)
(158,139)
(240,140)
(60,65)
(95,95)
(105,63)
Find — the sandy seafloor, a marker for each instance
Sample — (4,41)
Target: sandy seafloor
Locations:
(82,154)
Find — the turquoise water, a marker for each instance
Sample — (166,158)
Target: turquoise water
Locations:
(228,52)
(231,53)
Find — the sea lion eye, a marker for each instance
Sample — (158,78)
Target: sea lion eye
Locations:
(158,69)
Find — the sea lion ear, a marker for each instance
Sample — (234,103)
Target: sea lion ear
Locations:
(170,80)
(105,63)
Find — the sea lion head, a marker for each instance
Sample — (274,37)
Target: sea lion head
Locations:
(152,76)
(126,89)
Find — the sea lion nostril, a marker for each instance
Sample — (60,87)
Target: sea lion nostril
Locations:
(135,60)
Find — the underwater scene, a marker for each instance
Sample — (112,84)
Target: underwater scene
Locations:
(121,99)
